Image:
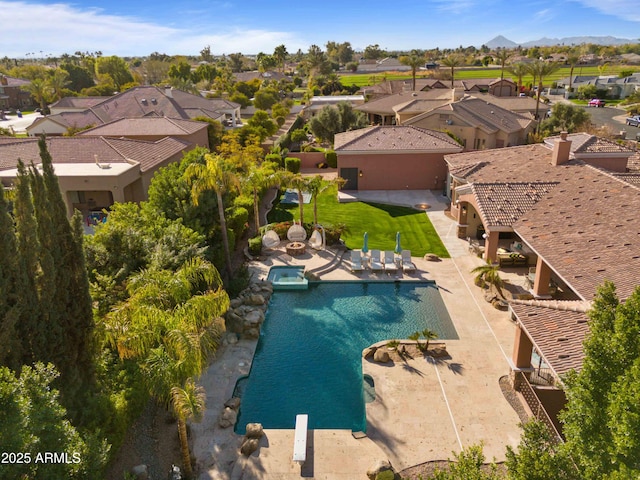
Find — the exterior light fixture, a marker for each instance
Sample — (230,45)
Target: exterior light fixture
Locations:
(360,173)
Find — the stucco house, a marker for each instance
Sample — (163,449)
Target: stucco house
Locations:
(12,96)
(95,172)
(143,101)
(477,123)
(567,210)
(393,158)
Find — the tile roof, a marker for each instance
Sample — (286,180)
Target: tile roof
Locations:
(69,150)
(557,333)
(632,178)
(501,204)
(587,143)
(514,104)
(633,164)
(158,126)
(77,102)
(394,138)
(385,105)
(15,82)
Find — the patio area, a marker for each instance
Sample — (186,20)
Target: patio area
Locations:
(424,409)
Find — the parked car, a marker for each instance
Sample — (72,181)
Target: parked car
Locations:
(634,121)
(596,102)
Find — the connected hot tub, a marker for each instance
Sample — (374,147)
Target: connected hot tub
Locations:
(287,277)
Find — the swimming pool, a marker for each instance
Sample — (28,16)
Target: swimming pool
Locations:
(309,355)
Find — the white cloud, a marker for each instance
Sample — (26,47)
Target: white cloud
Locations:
(60,28)
(544,15)
(623,9)
(455,6)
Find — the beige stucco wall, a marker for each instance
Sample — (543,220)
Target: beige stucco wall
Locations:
(47,127)
(397,171)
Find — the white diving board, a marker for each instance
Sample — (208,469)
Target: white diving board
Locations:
(300,439)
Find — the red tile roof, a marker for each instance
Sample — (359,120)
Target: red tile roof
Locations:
(159,126)
(394,138)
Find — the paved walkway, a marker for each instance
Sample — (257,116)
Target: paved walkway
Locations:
(424,410)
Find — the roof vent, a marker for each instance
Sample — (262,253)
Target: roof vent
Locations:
(143,101)
(154,101)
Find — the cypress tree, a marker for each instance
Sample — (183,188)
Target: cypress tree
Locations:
(10,352)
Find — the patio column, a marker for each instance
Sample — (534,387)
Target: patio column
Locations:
(522,349)
(490,246)
(118,194)
(543,276)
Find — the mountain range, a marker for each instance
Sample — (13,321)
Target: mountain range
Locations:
(502,42)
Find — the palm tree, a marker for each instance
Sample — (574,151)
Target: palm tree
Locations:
(503,56)
(57,82)
(315,186)
(414,61)
(488,274)
(258,179)
(540,69)
(213,175)
(452,61)
(39,91)
(429,335)
(519,70)
(280,54)
(301,184)
(572,61)
(188,403)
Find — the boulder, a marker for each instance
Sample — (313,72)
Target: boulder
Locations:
(252,333)
(227,418)
(234,322)
(231,338)
(254,430)
(255,299)
(233,402)
(381,356)
(249,445)
(431,257)
(235,303)
(368,352)
(140,472)
(254,318)
(379,467)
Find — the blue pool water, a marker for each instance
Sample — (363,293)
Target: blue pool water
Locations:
(309,355)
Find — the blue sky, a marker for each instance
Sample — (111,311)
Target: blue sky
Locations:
(136,27)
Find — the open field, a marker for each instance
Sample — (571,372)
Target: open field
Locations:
(366,79)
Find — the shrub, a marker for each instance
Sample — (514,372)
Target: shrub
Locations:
(334,232)
(239,282)
(292,164)
(255,245)
(237,219)
(280,120)
(243,201)
(281,229)
(332,159)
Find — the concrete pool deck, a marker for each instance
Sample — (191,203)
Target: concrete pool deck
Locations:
(424,410)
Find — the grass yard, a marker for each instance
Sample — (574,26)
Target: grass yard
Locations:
(367,79)
(380,221)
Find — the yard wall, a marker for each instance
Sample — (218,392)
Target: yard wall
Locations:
(308,159)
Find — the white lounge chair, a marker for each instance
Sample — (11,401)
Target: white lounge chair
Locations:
(270,239)
(374,262)
(315,240)
(407,264)
(390,261)
(356,261)
(296,233)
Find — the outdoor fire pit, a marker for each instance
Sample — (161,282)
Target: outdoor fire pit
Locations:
(295,248)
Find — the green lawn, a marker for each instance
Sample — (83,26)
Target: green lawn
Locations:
(366,79)
(380,221)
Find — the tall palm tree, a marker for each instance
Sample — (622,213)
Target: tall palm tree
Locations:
(502,56)
(213,175)
(258,179)
(541,69)
(301,184)
(57,82)
(39,90)
(414,61)
(452,61)
(519,70)
(188,403)
(572,61)
(280,54)
(315,186)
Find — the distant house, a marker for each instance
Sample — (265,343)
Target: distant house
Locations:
(393,158)
(615,86)
(317,103)
(384,65)
(477,123)
(270,75)
(143,101)
(95,172)
(12,96)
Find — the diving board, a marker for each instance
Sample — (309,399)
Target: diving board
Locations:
(300,439)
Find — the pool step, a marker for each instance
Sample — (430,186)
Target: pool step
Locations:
(331,266)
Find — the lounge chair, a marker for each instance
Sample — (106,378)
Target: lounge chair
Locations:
(315,240)
(374,262)
(407,264)
(356,261)
(390,261)
(270,239)
(296,233)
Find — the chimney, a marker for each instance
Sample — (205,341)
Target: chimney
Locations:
(561,150)
(4,80)
(167,91)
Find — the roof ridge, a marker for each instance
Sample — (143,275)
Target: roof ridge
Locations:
(577,306)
